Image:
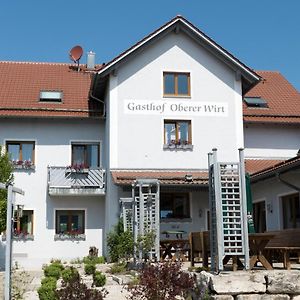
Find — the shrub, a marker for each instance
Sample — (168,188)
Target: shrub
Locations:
(69,273)
(120,243)
(89,269)
(118,268)
(162,281)
(76,261)
(94,260)
(99,279)
(47,289)
(76,290)
(52,270)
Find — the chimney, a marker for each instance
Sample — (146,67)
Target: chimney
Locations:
(91,60)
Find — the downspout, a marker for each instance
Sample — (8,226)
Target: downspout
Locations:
(95,98)
(297,188)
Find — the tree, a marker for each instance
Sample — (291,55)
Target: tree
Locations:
(6,176)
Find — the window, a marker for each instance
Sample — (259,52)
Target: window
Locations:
(51,96)
(291,211)
(176,84)
(174,206)
(70,222)
(21,153)
(256,102)
(177,132)
(23,225)
(86,155)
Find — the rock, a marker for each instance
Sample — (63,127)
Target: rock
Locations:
(296,297)
(240,282)
(275,297)
(287,282)
(221,297)
(248,297)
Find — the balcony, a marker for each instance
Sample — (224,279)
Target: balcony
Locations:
(64,181)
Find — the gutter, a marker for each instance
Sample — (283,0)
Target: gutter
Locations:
(95,98)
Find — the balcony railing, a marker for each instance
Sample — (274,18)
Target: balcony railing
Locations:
(67,181)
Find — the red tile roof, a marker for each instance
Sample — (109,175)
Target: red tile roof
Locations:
(174,177)
(178,177)
(21,83)
(282,98)
(286,165)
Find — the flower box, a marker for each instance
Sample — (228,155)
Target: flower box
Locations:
(69,237)
(20,237)
(22,164)
(80,169)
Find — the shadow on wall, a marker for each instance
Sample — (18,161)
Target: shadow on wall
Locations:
(2,255)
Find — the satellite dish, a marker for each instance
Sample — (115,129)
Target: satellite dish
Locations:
(76,53)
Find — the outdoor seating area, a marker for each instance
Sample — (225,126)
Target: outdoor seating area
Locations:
(280,248)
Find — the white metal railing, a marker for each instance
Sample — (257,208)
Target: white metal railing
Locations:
(68,178)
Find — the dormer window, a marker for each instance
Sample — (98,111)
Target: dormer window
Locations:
(51,96)
(256,102)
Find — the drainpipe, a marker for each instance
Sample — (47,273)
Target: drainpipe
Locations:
(95,98)
(297,188)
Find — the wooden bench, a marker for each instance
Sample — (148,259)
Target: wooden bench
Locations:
(283,246)
(199,247)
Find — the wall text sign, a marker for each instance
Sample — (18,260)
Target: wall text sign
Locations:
(172,107)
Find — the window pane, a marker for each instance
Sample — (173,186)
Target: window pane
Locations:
(78,155)
(169,84)
(183,88)
(14,151)
(183,132)
(93,155)
(27,152)
(63,224)
(170,133)
(174,206)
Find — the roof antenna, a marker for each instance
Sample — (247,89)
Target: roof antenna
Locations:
(75,55)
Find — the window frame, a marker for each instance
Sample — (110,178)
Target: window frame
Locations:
(18,222)
(173,195)
(85,144)
(176,122)
(176,94)
(70,213)
(20,143)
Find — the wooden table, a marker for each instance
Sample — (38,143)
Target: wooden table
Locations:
(174,249)
(257,243)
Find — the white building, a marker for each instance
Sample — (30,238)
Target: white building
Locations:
(79,139)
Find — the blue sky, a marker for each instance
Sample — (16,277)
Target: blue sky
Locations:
(264,34)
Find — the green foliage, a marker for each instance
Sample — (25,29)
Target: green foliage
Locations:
(53,270)
(118,268)
(6,176)
(69,273)
(76,290)
(146,242)
(89,269)
(94,260)
(120,244)
(47,289)
(99,279)
(76,261)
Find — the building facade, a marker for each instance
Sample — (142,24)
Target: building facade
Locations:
(78,139)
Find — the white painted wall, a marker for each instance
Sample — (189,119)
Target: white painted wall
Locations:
(271,190)
(271,141)
(53,139)
(137,140)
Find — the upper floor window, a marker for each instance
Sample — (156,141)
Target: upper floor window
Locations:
(177,133)
(176,84)
(87,155)
(21,153)
(256,102)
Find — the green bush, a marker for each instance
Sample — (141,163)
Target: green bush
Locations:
(99,279)
(89,269)
(52,270)
(47,289)
(118,268)
(120,243)
(94,260)
(57,264)
(69,273)
(49,281)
